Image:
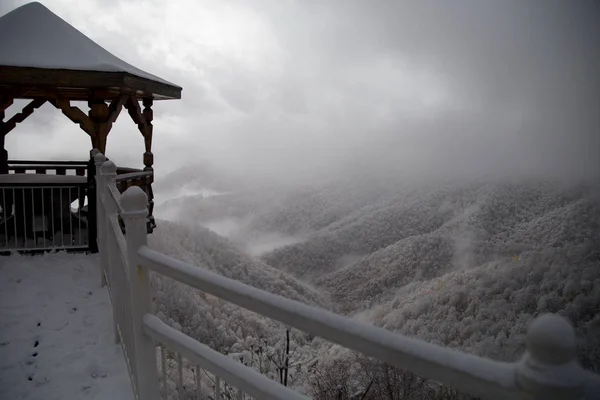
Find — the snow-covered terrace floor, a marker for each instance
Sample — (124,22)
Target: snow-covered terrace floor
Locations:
(56,335)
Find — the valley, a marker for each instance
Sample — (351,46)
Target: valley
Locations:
(467,265)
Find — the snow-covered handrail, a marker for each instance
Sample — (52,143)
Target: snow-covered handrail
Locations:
(134,175)
(548,369)
(548,366)
(114,264)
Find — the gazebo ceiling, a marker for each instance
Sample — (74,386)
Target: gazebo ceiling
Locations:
(42,56)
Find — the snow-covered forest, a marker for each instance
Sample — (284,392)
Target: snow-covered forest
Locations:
(463,264)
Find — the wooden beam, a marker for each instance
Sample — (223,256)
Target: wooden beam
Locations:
(9,93)
(148,116)
(20,117)
(74,79)
(5,102)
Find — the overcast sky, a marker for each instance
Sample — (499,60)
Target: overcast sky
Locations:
(296,87)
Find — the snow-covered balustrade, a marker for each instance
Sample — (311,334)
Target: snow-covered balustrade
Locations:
(548,370)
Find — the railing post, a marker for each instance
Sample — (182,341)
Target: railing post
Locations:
(549,369)
(106,175)
(134,204)
(100,215)
(92,216)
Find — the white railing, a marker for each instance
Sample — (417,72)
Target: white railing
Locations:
(548,370)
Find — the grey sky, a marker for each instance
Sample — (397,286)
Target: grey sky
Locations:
(283,86)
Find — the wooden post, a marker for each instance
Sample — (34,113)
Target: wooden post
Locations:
(108,247)
(134,204)
(92,209)
(149,158)
(143,119)
(6,100)
(549,369)
(98,114)
(148,117)
(3,152)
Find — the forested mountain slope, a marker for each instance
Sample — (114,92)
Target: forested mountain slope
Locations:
(225,327)
(499,227)
(429,231)
(466,265)
(199,246)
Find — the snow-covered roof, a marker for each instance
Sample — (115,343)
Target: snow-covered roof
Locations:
(32,36)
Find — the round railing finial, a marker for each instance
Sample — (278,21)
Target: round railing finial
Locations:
(108,168)
(99,158)
(551,340)
(134,199)
(549,369)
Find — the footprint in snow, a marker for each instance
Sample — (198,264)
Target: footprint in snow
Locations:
(95,371)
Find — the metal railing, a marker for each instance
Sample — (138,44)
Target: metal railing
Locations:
(31,221)
(548,369)
(39,217)
(43,206)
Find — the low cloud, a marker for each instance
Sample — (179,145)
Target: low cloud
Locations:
(296,90)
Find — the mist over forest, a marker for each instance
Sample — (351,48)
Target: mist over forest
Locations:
(438,178)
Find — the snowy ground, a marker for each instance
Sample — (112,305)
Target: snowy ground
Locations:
(56,336)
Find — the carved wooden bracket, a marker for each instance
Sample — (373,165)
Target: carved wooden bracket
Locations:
(75,115)
(98,122)
(135,112)
(5,102)
(115,108)
(8,94)
(20,117)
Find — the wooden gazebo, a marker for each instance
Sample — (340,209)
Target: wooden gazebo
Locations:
(45,59)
